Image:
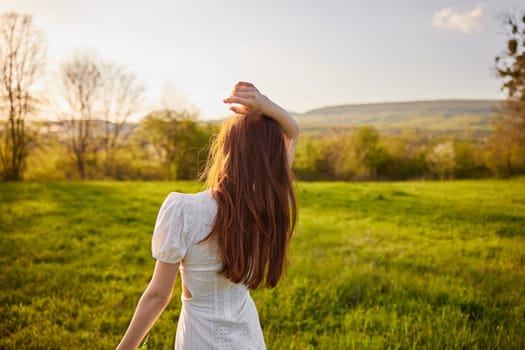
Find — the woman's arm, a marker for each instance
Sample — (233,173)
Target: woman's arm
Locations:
(151,304)
(247,95)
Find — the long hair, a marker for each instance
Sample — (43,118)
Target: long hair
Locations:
(249,176)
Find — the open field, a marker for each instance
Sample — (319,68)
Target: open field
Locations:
(412,265)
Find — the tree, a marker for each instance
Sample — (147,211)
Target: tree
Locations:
(176,141)
(329,158)
(82,91)
(511,65)
(406,155)
(442,160)
(122,97)
(22,61)
(469,159)
(99,96)
(367,152)
(508,139)
(306,164)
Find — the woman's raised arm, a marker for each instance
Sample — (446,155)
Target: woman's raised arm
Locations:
(250,99)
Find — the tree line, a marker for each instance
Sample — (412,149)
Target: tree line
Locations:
(165,145)
(364,153)
(92,136)
(169,145)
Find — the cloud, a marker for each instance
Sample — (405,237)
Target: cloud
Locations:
(466,22)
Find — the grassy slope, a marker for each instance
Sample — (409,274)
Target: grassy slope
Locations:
(445,117)
(374,265)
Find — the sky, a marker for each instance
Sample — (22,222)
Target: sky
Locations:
(303,54)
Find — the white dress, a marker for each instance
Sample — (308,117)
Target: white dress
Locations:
(220,314)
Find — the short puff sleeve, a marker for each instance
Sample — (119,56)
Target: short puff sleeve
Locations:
(168,243)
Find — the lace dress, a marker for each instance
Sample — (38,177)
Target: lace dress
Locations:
(219,314)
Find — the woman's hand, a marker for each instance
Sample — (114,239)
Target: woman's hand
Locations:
(248,97)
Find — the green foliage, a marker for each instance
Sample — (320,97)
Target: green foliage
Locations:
(407,156)
(165,145)
(168,145)
(306,158)
(367,153)
(425,265)
(178,143)
(359,153)
(363,153)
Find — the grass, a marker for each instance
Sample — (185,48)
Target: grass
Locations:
(412,265)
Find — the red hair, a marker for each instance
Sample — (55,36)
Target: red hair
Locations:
(249,176)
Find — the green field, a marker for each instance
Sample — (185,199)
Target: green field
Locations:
(412,265)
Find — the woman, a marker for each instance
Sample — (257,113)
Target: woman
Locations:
(230,238)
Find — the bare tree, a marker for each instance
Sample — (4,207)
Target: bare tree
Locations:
(82,91)
(22,61)
(100,97)
(122,97)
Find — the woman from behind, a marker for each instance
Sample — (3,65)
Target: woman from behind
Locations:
(230,238)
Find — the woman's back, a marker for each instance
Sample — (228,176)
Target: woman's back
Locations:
(216,312)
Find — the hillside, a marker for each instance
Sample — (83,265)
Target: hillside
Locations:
(437,117)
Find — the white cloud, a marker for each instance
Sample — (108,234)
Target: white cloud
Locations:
(466,22)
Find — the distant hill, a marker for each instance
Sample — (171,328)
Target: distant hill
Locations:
(440,117)
(456,117)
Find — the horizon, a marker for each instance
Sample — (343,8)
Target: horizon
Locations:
(137,120)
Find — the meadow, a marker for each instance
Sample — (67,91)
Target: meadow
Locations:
(403,265)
